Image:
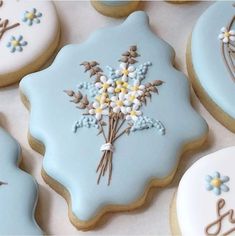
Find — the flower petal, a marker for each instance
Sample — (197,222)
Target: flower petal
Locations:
(226,39)
(209,187)
(132,75)
(111,90)
(221,36)
(224,187)
(123,66)
(208,178)
(134,118)
(128,117)
(217,191)
(116,109)
(224,179)
(105,112)
(98,116)
(124,78)
(216,174)
(114,98)
(103,79)
(113,104)
(118,73)
(98,85)
(123,110)
(131,68)
(92,111)
(232,38)
(121,96)
(223,29)
(232,32)
(96,105)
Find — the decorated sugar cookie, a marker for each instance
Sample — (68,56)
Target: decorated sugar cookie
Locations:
(29,34)
(211,58)
(110,115)
(204,203)
(18,192)
(115,8)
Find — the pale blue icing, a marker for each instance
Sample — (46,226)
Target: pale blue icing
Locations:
(207,57)
(72,158)
(18,197)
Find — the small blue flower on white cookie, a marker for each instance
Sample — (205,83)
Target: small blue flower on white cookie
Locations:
(227,35)
(32,17)
(16,43)
(216,183)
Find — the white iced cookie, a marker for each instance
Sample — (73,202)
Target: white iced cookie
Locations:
(204,203)
(29,34)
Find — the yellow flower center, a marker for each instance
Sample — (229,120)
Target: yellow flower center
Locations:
(132,98)
(216,182)
(123,90)
(15,43)
(135,88)
(98,110)
(117,90)
(105,85)
(121,87)
(30,16)
(119,103)
(133,113)
(226,34)
(125,85)
(103,98)
(125,72)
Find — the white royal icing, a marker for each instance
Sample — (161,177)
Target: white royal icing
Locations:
(36,36)
(207,187)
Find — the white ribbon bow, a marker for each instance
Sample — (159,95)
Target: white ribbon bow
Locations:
(107,147)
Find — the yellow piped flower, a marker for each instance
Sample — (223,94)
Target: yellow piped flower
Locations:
(121,87)
(103,98)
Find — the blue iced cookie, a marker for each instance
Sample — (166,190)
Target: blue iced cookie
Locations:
(111,115)
(115,8)
(211,61)
(18,192)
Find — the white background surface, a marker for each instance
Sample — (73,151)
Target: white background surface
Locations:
(173,23)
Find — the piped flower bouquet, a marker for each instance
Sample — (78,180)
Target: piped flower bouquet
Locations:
(227,37)
(113,104)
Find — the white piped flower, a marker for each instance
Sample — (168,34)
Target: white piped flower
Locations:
(133,113)
(137,89)
(99,110)
(126,72)
(105,85)
(226,35)
(132,99)
(118,103)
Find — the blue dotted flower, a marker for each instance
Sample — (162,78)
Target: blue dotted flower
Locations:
(216,183)
(16,43)
(32,17)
